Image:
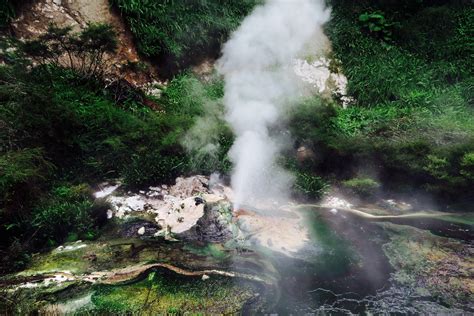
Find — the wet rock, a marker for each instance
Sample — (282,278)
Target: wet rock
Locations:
(281,231)
(105,189)
(139,228)
(190,186)
(396,206)
(321,76)
(77,245)
(176,208)
(304,153)
(442,267)
(90,257)
(214,226)
(335,202)
(199,200)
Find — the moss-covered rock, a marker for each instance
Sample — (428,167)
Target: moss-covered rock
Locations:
(166,293)
(433,266)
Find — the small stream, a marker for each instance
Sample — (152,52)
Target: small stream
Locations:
(347,265)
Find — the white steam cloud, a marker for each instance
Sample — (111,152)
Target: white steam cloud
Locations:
(259,86)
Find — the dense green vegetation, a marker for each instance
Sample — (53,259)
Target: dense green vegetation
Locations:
(412,120)
(61,131)
(179,33)
(363,187)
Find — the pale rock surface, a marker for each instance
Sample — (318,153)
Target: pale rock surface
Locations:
(335,202)
(180,208)
(318,75)
(77,245)
(105,189)
(285,232)
(174,208)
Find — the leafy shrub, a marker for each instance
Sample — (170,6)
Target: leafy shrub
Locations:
(376,23)
(84,133)
(65,211)
(309,186)
(84,52)
(420,59)
(309,120)
(467,165)
(445,173)
(437,167)
(439,34)
(20,172)
(205,135)
(363,187)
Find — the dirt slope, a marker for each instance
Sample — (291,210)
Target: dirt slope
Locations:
(35,17)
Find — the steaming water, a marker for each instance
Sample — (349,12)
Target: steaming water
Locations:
(259,84)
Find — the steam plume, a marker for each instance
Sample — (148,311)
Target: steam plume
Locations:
(259,85)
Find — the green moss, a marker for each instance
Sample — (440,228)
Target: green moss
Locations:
(67,260)
(465,219)
(166,292)
(435,264)
(216,251)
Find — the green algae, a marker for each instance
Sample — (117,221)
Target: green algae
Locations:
(164,292)
(439,266)
(464,219)
(67,260)
(174,292)
(80,305)
(216,251)
(118,253)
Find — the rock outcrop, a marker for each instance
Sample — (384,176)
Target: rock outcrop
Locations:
(36,16)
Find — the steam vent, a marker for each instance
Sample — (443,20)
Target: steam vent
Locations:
(283,157)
